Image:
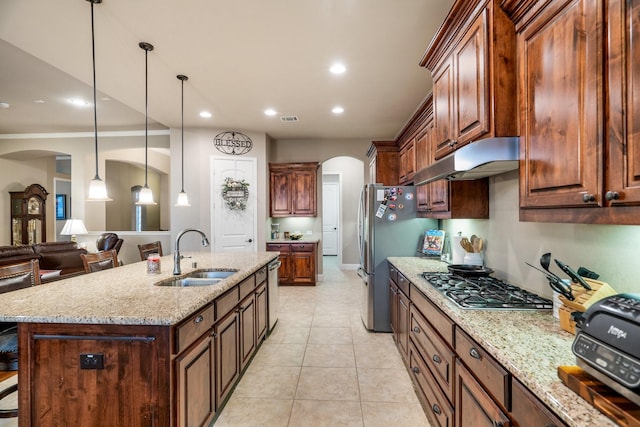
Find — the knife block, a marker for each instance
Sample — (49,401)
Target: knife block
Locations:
(583,299)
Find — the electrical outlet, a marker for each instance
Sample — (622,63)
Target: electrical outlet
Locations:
(91,361)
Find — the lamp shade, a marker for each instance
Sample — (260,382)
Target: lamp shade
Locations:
(73,227)
(145,197)
(98,191)
(183,199)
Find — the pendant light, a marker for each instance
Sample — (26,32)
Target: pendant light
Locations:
(146,195)
(183,199)
(97,187)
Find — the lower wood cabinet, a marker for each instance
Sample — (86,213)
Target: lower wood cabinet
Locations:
(196,397)
(527,410)
(227,340)
(474,406)
(298,262)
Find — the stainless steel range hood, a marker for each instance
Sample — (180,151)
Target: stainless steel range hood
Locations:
(479,159)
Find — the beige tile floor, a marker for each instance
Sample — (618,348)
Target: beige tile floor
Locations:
(321,367)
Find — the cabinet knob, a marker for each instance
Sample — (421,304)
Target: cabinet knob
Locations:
(198,319)
(415,370)
(436,359)
(475,353)
(416,329)
(498,424)
(436,409)
(586,197)
(612,195)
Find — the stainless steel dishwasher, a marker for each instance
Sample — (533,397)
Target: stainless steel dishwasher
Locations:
(272,282)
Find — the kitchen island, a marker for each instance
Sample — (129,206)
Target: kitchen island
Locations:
(112,348)
(528,345)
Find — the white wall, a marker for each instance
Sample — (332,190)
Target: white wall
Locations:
(609,250)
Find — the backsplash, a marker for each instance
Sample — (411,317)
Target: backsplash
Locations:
(608,250)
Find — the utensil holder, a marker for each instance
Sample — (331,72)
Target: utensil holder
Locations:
(473,258)
(581,303)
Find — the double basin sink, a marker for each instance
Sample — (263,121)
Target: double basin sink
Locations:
(198,278)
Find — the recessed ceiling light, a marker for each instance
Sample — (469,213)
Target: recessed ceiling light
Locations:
(337,110)
(270,112)
(4,105)
(205,114)
(38,101)
(337,68)
(105,98)
(79,102)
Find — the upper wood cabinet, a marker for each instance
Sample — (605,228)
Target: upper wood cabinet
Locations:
(293,189)
(383,162)
(473,63)
(407,162)
(579,138)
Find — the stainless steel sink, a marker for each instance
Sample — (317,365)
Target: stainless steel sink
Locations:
(198,278)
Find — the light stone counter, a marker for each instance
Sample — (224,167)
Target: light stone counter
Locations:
(529,344)
(306,238)
(127,295)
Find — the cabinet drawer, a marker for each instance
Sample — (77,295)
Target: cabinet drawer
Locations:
(261,275)
(278,247)
(528,410)
(302,247)
(247,286)
(495,379)
(403,283)
(227,302)
(393,273)
(436,402)
(436,353)
(440,321)
(193,328)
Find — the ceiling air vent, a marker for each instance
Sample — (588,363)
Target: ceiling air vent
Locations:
(289,118)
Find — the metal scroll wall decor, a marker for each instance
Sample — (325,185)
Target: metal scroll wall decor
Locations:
(235,193)
(234,143)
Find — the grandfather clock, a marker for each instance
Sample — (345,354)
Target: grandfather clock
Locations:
(28,215)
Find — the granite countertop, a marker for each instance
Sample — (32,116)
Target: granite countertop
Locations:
(127,295)
(529,344)
(306,238)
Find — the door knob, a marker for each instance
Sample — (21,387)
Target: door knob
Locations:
(249,241)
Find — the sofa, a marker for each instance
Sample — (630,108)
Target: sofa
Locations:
(63,256)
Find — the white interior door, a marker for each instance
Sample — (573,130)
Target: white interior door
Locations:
(234,229)
(330,217)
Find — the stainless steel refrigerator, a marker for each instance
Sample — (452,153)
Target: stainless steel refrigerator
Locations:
(387,227)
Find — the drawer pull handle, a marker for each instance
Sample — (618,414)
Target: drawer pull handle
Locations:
(588,198)
(415,370)
(416,329)
(475,354)
(436,359)
(612,195)
(498,424)
(436,409)
(198,319)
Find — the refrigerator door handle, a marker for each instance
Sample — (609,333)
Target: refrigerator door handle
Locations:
(360,223)
(362,273)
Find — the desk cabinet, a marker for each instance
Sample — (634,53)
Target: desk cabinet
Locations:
(298,262)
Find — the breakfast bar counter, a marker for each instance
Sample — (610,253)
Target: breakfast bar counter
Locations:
(530,345)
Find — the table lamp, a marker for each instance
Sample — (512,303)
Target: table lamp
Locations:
(73,227)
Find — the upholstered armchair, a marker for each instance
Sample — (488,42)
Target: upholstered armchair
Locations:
(108,241)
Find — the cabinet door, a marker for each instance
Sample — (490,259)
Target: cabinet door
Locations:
(443,139)
(261,311)
(196,384)
(439,196)
(393,309)
(303,266)
(560,73)
(403,324)
(247,313)
(473,405)
(280,193)
(623,182)
(284,271)
(527,409)
(227,337)
(471,83)
(303,193)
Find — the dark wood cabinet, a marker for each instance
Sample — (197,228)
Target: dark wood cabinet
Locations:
(383,163)
(473,64)
(399,312)
(407,163)
(84,363)
(474,407)
(293,189)
(527,410)
(227,345)
(261,311)
(579,134)
(195,370)
(28,215)
(248,333)
(298,262)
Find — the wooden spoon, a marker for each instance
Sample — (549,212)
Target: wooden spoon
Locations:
(480,245)
(474,242)
(466,244)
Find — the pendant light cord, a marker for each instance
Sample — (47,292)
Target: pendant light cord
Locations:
(182,132)
(146,114)
(95,97)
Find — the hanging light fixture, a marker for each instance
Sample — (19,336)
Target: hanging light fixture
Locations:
(146,195)
(183,199)
(97,187)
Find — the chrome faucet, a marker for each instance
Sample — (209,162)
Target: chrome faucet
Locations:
(176,252)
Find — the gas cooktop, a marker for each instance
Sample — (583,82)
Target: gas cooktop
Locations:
(485,293)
